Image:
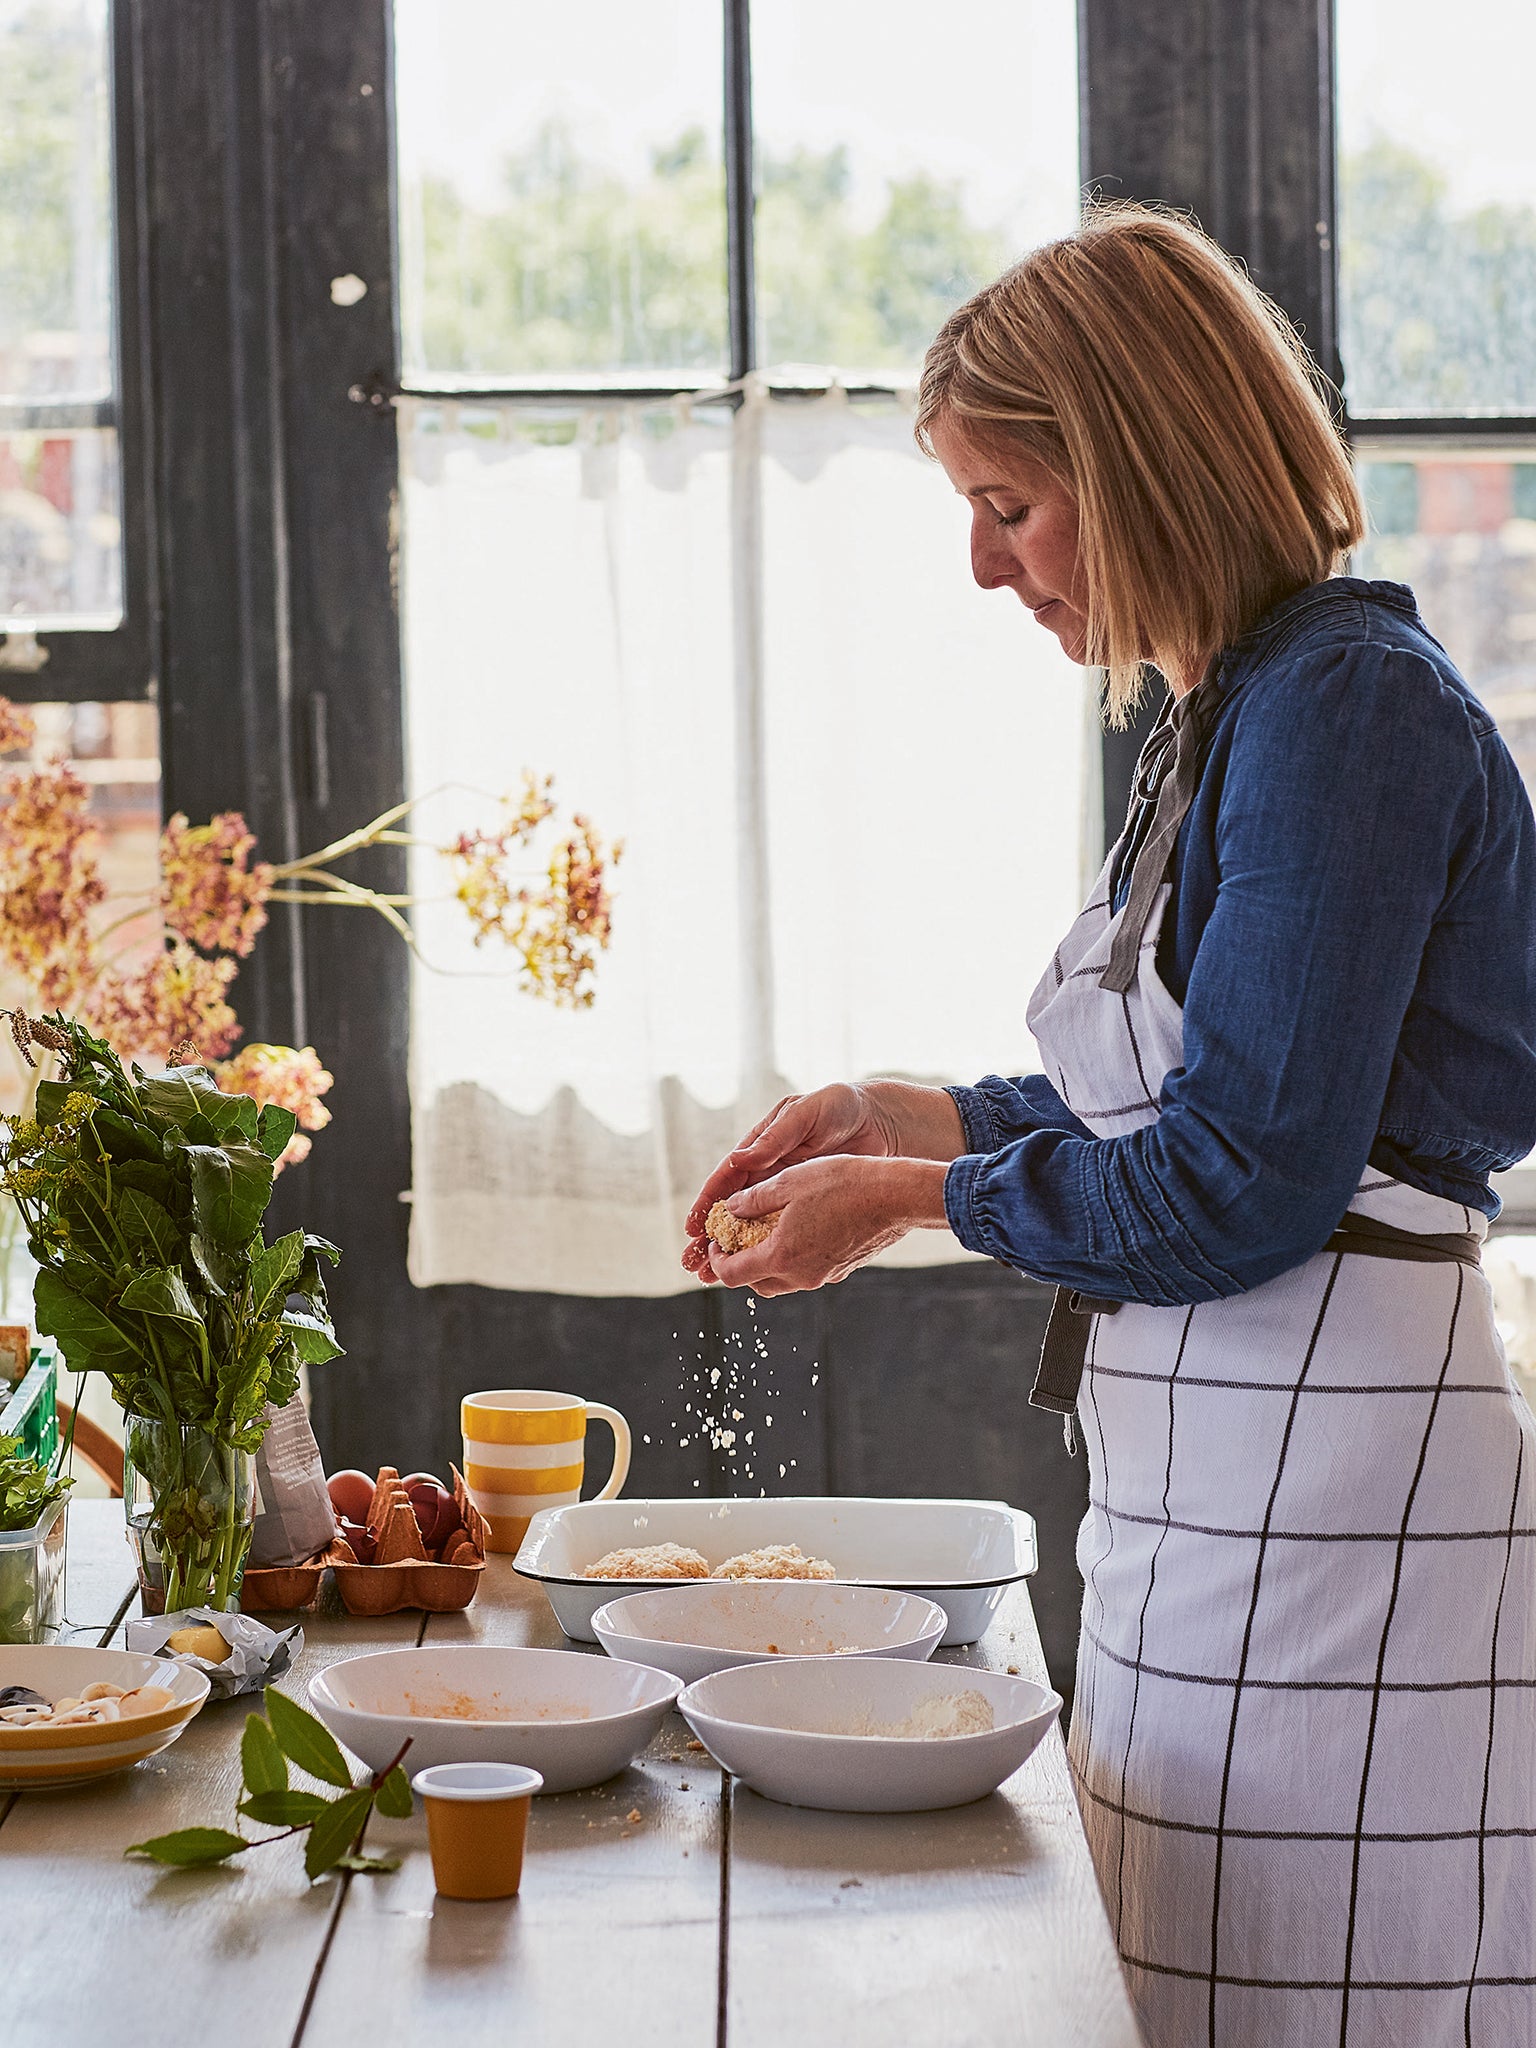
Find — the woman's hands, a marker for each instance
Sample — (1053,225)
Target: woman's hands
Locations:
(836,1214)
(853,1168)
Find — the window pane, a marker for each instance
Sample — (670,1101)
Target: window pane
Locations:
(562,191)
(1461,529)
(1437,206)
(114,749)
(60,528)
(898,169)
(60,535)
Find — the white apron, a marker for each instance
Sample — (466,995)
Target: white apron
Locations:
(1304,1739)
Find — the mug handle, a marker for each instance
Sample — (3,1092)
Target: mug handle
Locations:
(621,1446)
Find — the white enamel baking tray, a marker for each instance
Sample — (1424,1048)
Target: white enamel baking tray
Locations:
(963,1554)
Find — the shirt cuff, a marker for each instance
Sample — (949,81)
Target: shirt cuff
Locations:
(959,1192)
(982,1132)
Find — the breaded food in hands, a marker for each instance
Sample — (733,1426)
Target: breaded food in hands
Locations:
(738,1233)
(774,1561)
(650,1561)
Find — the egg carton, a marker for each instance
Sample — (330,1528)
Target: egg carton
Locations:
(410,1583)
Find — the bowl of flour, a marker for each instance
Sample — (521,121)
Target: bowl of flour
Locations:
(869,1734)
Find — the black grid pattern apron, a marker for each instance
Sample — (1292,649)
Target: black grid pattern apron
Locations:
(1304,1740)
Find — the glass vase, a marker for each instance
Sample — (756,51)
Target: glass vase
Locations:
(190,1502)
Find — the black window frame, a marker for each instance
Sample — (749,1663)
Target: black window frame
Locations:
(72,665)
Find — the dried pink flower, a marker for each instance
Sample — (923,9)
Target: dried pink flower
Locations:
(177,995)
(209,889)
(18,728)
(50,882)
(558,930)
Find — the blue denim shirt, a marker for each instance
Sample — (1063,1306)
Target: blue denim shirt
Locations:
(1352,934)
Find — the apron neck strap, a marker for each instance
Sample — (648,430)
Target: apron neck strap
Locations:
(1183,728)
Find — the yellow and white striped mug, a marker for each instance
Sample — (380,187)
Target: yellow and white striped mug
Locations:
(524,1450)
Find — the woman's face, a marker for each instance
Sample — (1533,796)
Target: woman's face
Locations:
(1023,533)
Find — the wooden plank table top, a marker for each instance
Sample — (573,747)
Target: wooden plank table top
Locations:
(715,1920)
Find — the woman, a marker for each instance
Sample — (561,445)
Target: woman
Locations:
(1286,1042)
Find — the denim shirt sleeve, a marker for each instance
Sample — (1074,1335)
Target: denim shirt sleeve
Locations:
(996,1111)
(1354,798)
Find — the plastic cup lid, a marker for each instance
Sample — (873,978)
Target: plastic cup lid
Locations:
(476,1781)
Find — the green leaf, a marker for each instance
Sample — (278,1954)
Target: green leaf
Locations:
(275,1270)
(51,1098)
(283,1374)
(314,1340)
(263,1763)
(175,1098)
(148,1225)
(393,1797)
(284,1809)
(190,1845)
(158,1181)
(334,1832)
(322,1248)
(306,1741)
(231,1187)
(91,1341)
(160,1291)
(217,1271)
(369,1865)
(123,1138)
(275,1127)
(234,1116)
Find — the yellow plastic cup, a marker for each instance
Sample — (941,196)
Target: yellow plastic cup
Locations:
(477,1822)
(525,1449)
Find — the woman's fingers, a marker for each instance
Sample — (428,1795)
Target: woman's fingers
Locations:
(765,1146)
(761,1199)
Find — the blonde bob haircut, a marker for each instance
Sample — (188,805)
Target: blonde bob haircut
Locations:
(1147,373)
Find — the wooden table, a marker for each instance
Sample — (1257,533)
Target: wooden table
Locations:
(718,1917)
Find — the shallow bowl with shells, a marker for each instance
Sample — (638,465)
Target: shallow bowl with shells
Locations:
(48,1757)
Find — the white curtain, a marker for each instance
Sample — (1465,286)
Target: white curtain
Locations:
(850,785)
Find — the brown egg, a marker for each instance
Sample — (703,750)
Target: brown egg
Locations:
(360,1540)
(435,1509)
(350,1494)
(423,1479)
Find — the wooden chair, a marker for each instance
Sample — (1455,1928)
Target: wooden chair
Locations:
(103,1453)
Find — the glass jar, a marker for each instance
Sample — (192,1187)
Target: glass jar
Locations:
(190,1502)
(32,1578)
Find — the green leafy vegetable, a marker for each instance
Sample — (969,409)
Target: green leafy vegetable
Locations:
(26,1489)
(143,1197)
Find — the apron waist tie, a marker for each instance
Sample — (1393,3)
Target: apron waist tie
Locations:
(1065,1350)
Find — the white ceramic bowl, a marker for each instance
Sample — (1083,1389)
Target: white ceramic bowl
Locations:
(574,1719)
(962,1553)
(54,1757)
(789,1731)
(712,1625)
